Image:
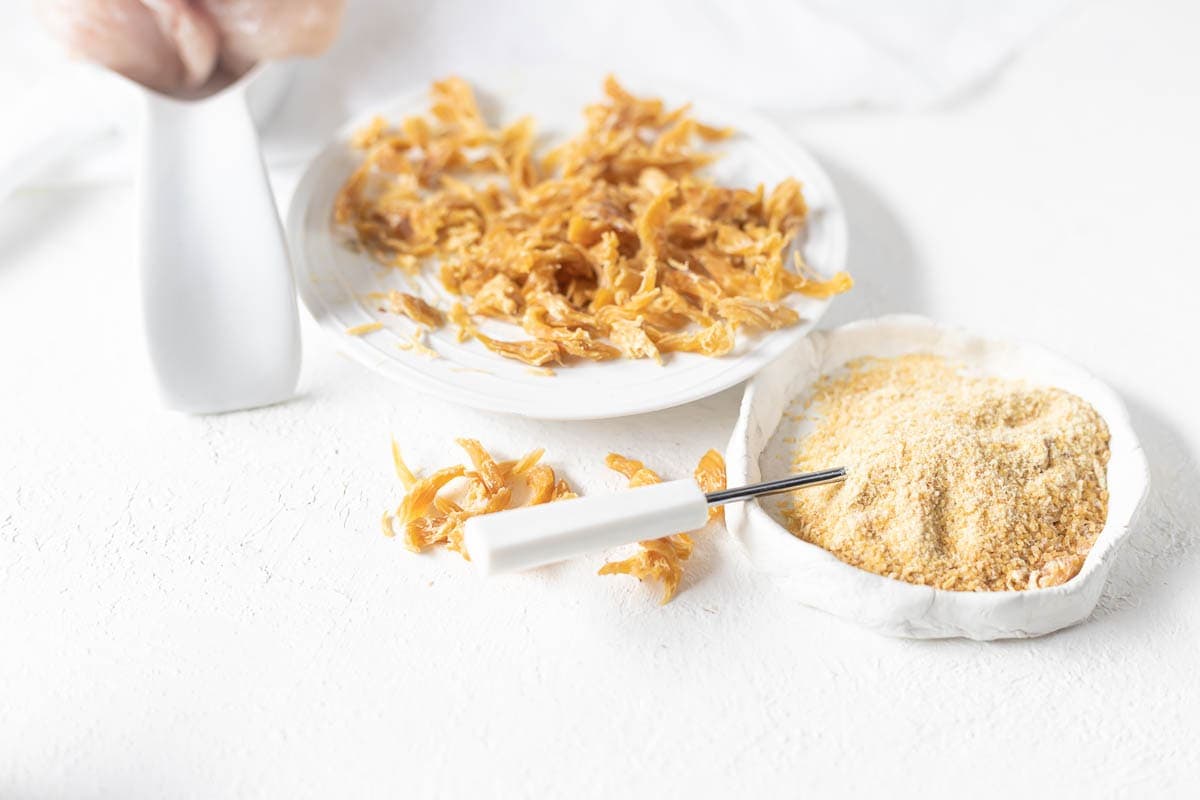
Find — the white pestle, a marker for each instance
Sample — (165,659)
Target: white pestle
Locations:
(218,298)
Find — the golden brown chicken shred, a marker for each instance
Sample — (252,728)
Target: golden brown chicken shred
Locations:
(434,508)
(662,559)
(610,246)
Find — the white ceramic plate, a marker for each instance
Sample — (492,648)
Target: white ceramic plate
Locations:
(758,451)
(333,281)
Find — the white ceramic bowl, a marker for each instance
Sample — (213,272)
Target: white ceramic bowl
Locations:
(757,452)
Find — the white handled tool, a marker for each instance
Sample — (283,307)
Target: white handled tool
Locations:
(510,541)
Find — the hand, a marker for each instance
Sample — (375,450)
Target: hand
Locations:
(178,45)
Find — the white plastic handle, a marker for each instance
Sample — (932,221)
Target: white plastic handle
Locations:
(510,541)
(219,302)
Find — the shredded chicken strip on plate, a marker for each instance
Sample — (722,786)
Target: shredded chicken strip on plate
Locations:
(612,245)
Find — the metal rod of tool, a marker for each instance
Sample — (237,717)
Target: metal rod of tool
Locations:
(776,487)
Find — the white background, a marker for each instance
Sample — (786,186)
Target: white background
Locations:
(206,607)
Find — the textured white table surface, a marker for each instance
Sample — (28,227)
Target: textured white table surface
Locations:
(200,607)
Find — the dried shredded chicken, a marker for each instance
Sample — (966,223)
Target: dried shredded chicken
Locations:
(364,329)
(406,476)
(710,476)
(416,343)
(434,508)
(662,559)
(415,308)
(610,246)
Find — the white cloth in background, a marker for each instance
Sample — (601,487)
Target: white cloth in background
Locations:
(776,55)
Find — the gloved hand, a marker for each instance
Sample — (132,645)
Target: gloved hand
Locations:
(176,46)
